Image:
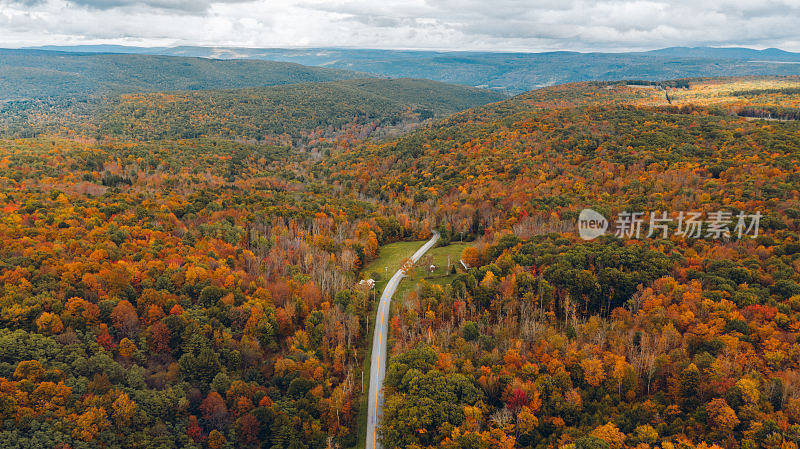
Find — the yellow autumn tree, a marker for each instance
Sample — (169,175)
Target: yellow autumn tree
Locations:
(610,434)
(216,440)
(471,256)
(472,417)
(49,323)
(488,280)
(124,409)
(721,416)
(526,420)
(593,371)
(127,348)
(29,369)
(646,434)
(749,389)
(89,423)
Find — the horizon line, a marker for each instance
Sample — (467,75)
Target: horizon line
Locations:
(55,47)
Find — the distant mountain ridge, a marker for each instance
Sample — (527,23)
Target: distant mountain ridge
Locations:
(28,74)
(512,72)
(727,52)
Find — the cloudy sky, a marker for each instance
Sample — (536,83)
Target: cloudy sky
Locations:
(532,25)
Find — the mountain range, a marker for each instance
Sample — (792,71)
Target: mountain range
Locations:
(510,72)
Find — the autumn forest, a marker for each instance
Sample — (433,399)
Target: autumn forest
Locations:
(180,268)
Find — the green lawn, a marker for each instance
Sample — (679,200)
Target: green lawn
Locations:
(388,262)
(439,256)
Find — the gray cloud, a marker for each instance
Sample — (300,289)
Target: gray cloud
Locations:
(438,24)
(178,6)
(580,24)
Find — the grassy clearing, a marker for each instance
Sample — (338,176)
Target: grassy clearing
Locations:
(388,262)
(442,274)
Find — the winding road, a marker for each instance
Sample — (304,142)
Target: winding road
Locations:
(378,363)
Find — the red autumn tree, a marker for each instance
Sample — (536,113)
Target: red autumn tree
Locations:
(215,412)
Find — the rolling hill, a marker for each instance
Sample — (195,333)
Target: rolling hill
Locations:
(512,72)
(291,113)
(28,74)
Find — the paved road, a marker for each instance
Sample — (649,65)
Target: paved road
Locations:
(378,367)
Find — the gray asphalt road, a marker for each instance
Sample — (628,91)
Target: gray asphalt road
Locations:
(378,364)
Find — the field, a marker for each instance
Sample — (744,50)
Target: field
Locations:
(392,255)
(443,257)
(389,259)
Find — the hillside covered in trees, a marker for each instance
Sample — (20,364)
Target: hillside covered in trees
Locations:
(165,285)
(31,74)
(293,114)
(180,294)
(552,341)
(514,72)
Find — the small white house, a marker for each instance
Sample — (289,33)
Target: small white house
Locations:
(368,282)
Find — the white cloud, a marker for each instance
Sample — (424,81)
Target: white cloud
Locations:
(435,24)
